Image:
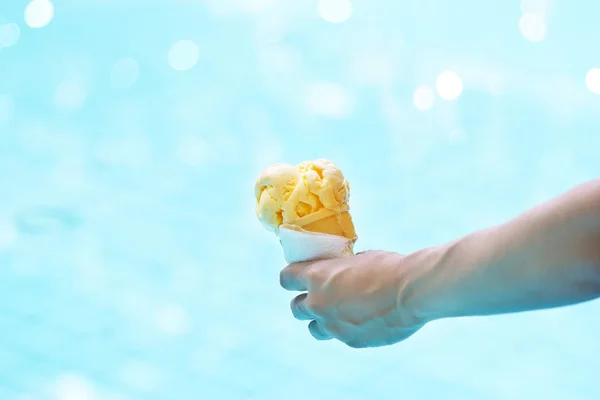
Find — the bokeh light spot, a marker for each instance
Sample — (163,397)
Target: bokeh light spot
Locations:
(39,13)
(449,86)
(183,55)
(592,80)
(335,11)
(423,98)
(532,27)
(9,34)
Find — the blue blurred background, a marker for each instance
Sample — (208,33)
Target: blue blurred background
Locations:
(131,133)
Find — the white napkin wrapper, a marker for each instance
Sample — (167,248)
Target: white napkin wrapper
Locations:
(300,245)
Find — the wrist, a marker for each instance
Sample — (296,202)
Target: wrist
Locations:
(429,291)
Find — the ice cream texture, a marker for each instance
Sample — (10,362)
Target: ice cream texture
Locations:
(311,196)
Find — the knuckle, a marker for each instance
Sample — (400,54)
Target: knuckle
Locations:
(313,275)
(319,272)
(316,305)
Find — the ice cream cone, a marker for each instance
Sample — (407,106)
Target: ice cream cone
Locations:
(307,207)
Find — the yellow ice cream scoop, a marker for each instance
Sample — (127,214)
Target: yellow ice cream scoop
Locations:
(311,196)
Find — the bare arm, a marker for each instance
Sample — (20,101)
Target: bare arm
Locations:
(547,257)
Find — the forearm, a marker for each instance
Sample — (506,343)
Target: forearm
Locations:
(546,257)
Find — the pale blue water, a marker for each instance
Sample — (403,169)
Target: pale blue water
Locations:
(132,265)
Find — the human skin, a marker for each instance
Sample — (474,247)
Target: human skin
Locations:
(549,256)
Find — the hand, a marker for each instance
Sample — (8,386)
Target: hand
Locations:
(357,300)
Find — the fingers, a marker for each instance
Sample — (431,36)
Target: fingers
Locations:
(300,309)
(318,331)
(294,277)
